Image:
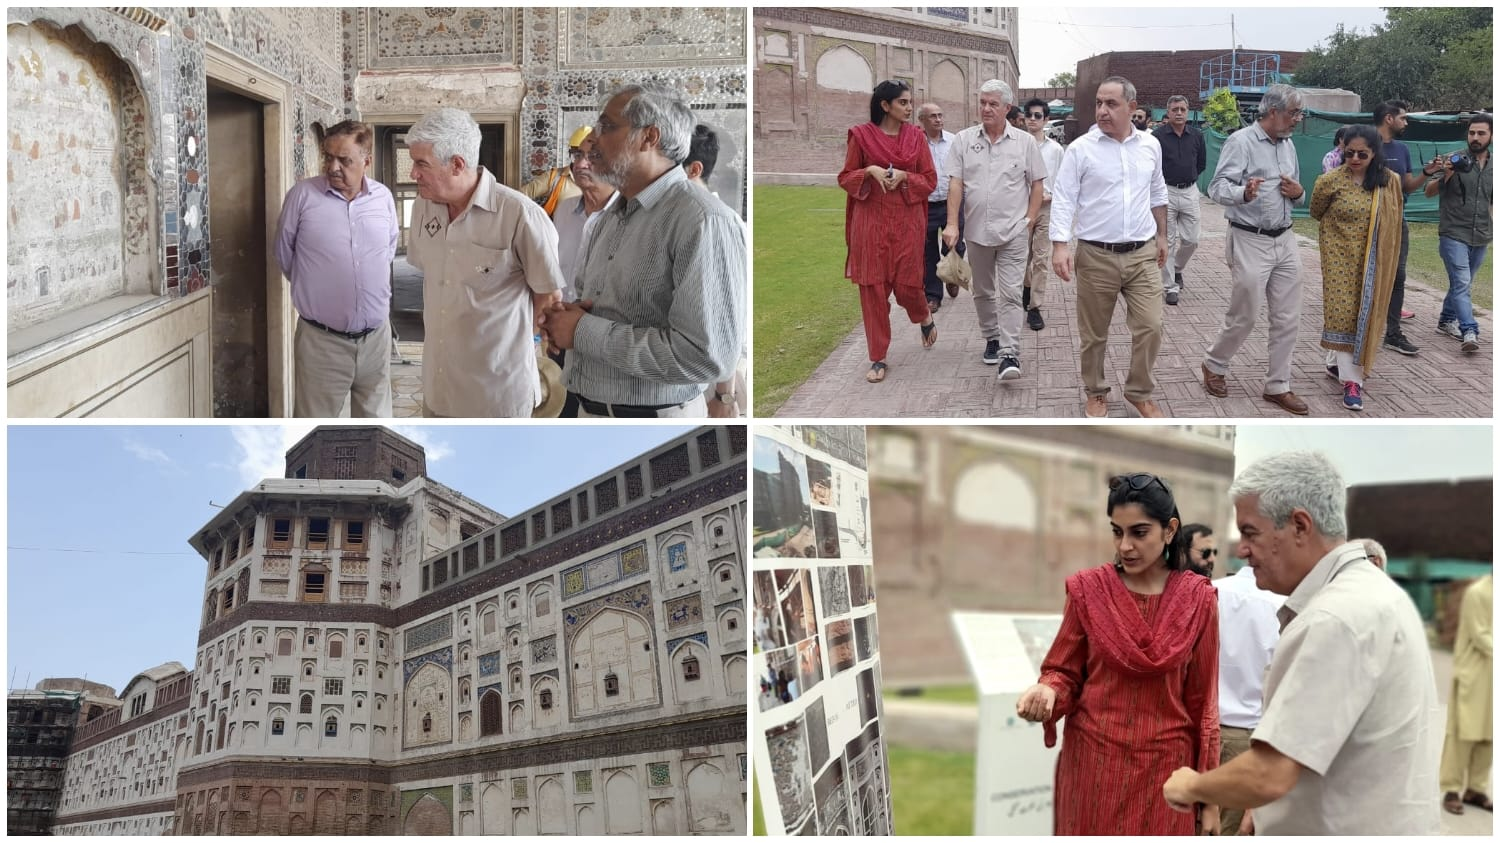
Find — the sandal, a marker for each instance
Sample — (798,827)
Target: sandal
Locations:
(1478,800)
(929,334)
(1452,804)
(876,373)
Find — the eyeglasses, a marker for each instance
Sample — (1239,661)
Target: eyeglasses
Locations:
(1208,553)
(1294,113)
(578,155)
(1137,482)
(1360,154)
(1035,115)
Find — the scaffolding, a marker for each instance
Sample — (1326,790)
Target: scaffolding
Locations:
(1245,74)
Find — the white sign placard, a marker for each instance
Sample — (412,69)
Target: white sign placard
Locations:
(1013,773)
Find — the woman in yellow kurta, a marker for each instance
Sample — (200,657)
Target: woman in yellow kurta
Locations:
(1469,745)
(1358,208)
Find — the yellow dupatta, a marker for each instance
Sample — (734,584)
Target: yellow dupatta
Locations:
(1382,254)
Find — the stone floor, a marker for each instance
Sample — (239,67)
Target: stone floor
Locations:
(406,381)
(949,380)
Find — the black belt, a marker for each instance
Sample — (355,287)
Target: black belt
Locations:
(348,335)
(1183,185)
(621,411)
(1117,248)
(942,201)
(1268,232)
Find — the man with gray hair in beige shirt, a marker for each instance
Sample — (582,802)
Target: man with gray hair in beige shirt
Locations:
(1347,743)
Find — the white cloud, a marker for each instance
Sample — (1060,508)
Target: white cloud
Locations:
(263,450)
(147,453)
(436,450)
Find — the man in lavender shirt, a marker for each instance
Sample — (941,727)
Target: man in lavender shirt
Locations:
(335,240)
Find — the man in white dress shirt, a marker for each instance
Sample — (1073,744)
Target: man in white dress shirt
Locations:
(1248,630)
(1348,741)
(939,141)
(1110,194)
(488,257)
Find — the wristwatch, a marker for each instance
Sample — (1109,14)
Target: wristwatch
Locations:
(727,398)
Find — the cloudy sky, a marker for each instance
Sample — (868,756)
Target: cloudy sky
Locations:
(1055,39)
(1377,453)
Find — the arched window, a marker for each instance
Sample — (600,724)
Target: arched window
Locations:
(305,705)
(489,714)
(335,648)
(284,645)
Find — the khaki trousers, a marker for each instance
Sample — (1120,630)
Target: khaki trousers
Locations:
(1466,764)
(1182,232)
(1261,268)
(998,273)
(1039,263)
(332,371)
(1232,741)
(1103,277)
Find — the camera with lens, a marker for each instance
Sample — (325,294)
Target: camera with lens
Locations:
(1460,162)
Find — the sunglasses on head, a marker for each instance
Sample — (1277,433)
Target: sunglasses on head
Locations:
(1137,482)
(1360,154)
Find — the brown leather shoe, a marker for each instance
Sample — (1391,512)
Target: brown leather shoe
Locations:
(1452,804)
(1288,401)
(1096,408)
(1147,408)
(1213,384)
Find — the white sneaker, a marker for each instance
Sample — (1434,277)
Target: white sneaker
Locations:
(1451,329)
(1471,341)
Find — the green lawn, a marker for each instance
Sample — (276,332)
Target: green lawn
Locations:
(1423,263)
(803,303)
(959,694)
(932,793)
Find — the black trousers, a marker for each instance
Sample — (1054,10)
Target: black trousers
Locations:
(937,220)
(1398,292)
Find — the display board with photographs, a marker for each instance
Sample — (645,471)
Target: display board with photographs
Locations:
(820,759)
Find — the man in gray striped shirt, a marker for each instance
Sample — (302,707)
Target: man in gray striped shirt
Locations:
(661,281)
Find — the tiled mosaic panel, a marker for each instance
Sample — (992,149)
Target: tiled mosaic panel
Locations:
(438,36)
(466,793)
(604,570)
(684,611)
(435,630)
(637,599)
(633,560)
(489,664)
(518,788)
(677,556)
(544,650)
(443,658)
(659,774)
(674,643)
(583,781)
(625,36)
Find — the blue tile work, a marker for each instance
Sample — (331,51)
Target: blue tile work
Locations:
(604,570)
(438,629)
(636,599)
(498,687)
(684,611)
(489,664)
(677,556)
(659,774)
(674,643)
(443,657)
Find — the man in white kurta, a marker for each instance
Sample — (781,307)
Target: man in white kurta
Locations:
(489,264)
(1468,746)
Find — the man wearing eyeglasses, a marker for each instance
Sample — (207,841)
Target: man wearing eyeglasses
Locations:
(1039,262)
(939,141)
(1184,157)
(575,218)
(661,281)
(1257,183)
(1202,549)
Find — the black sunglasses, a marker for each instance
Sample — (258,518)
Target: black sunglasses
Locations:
(1208,553)
(1361,154)
(1036,115)
(1137,482)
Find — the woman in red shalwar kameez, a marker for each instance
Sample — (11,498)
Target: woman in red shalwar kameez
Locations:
(1135,669)
(888,175)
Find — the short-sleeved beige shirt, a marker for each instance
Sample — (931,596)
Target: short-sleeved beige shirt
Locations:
(478,274)
(1350,695)
(997,181)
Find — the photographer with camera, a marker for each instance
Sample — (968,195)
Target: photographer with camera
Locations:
(1466,190)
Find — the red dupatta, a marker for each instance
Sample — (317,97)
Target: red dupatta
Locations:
(1112,619)
(903,152)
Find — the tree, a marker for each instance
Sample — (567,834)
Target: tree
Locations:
(1434,58)
(1063,80)
(1222,112)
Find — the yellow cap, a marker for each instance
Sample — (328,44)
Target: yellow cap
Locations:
(578,135)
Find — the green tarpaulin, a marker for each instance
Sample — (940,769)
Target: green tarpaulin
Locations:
(1426,136)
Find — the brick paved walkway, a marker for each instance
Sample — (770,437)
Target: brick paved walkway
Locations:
(950,381)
